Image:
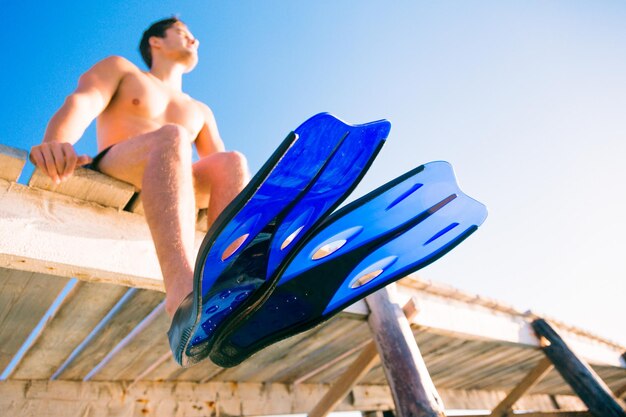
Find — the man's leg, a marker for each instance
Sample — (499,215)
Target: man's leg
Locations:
(218,179)
(159,163)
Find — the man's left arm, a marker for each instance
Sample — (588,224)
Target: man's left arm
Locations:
(208,140)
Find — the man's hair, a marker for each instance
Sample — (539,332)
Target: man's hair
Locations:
(156,29)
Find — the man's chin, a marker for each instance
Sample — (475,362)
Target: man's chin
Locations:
(190,62)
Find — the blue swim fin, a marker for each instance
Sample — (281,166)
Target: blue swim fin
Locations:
(385,235)
(250,243)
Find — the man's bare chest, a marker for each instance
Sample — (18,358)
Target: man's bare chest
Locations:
(138,96)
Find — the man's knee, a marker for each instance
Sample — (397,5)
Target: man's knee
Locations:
(236,159)
(172,139)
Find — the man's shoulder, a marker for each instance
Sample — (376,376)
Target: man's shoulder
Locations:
(117,63)
(206,110)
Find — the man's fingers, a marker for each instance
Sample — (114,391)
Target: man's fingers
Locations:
(50,166)
(59,160)
(70,160)
(36,157)
(83,160)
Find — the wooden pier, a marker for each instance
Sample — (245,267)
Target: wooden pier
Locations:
(82,333)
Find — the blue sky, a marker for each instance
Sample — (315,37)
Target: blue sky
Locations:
(527,100)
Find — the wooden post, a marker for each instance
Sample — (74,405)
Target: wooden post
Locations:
(583,380)
(543,367)
(367,359)
(413,391)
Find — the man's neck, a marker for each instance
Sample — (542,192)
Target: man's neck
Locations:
(169,73)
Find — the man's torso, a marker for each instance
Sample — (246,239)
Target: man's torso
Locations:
(141,104)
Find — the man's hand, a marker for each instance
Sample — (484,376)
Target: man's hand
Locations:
(57,160)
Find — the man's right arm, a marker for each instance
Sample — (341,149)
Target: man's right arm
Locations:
(55,156)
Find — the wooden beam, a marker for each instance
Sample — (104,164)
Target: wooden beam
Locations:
(34,398)
(88,185)
(12,162)
(359,368)
(412,389)
(621,391)
(157,399)
(467,319)
(67,237)
(543,367)
(583,380)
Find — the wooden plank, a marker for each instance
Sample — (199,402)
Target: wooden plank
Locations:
(315,355)
(473,318)
(583,380)
(334,363)
(203,373)
(621,391)
(24,299)
(12,161)
(339,390)
(412,389)
(339,367)
(468,362)
(500,375)
(87,185)
(104,399)
(67,237)
(142,303)
(141,351)
(165,357)
(553,384)
(88,304)
(543,367)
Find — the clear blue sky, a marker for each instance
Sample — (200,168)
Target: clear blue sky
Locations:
(526,99)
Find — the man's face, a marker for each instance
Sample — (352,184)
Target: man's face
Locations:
(180,45)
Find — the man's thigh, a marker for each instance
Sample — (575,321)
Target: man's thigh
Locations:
(126,160)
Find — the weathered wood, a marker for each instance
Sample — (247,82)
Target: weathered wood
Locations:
(108,399)
(331,363)
(70,238)
(621,391)
(583,380)
(454,314)
(503,372)
(139,352)
(142,303)
(339,390)
(12,161)
(359,368)
(543,367)
(88,185)
(354,333)
(156,399)
(24,299)
(80,313)
(413,391)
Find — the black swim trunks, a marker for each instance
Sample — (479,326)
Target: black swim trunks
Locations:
(93,165)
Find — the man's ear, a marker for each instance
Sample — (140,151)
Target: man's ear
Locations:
(155,41)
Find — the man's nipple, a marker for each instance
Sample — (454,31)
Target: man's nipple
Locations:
(136,101)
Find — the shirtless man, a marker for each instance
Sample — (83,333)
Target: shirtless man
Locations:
(145,127)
